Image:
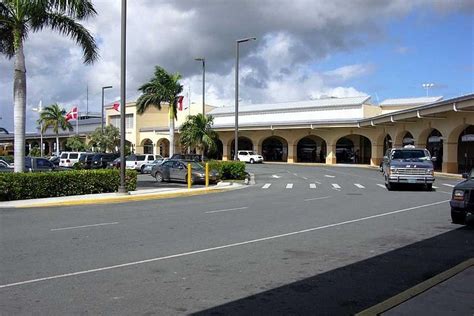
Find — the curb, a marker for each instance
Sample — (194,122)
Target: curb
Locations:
(416,290)
(120,198)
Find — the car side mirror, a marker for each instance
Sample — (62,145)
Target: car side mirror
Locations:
(434,159)
(465,175)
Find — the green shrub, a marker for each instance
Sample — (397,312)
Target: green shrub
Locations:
(19,186)
(229,170)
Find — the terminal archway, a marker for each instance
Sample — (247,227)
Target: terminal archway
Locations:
(147,146)
(217,152)
(311,149)
(244,144)
(163,146)
(466,149)
(355,149)
(275,148)
(408,139)
(434,144)
(387,143)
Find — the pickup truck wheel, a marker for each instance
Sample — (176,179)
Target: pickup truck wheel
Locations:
(429,187)
(252,161)
(159,177)
(457,218)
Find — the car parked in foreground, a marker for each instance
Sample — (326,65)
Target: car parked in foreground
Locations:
(177,170)
(249,156)
(5,167)
(408,165)
(69,158)
(85,161)
(146,169)
(462,200)
(102,160)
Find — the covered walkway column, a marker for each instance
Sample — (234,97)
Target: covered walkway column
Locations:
(292,153)
(331,154)
(377,154)
(257,148)
(225,151)
(450,157)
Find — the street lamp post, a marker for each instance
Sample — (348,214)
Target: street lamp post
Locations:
(123,55)
(427,86)
(236,132)
(102,116)
(203,83)
(39,109)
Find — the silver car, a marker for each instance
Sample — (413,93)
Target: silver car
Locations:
(177,170)
(146,168)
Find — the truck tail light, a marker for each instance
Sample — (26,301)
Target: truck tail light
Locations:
(68,160)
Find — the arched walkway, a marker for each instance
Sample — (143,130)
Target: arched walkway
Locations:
(387,143)
(217,152)
(434,143)
(353,149)
(311,149)
(147,146)
(163,147)
(408,139)
(466,149)
(275,148)
(244,144)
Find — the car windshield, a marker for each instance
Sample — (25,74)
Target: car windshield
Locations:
(252,153)
(195,165)
(410,154)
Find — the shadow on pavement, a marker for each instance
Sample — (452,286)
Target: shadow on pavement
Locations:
(355,287)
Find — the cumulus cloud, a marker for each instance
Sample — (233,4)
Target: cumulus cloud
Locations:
(293,36)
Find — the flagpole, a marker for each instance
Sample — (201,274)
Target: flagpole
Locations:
(77,121)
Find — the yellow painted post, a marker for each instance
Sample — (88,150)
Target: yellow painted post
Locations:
(207,174)
(189,176)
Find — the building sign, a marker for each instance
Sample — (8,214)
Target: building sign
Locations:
(467,138)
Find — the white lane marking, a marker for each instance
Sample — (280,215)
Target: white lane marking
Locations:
(84,226)
(289,186)
(312,185)
(336,186)
(318,198)
(329,176)
(305,178)
(317,182)
(276,176)
(227,210)
(253,241)
(381,185)
(435,187)
(360,186)
(266,185)
(448,185)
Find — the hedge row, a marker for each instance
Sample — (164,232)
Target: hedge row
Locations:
(229,170)
(19,186)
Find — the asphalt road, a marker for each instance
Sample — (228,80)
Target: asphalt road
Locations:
(303,240)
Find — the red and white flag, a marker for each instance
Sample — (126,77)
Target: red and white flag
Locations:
(180,102)
(116,106)
(73,114)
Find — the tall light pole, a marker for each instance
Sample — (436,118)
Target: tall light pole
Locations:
(236,132)
(123,58)
(39,109)
(102,116)
(203,83)
(427,86)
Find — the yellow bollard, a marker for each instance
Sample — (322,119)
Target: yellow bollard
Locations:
(189,176)
(207,174)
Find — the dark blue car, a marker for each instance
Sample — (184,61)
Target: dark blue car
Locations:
(462,200)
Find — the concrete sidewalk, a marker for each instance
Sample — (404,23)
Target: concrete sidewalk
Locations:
(448,293)
(139,195)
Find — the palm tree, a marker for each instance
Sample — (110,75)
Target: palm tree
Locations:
(18,18)
(163,87)
(197,132)
(54,116)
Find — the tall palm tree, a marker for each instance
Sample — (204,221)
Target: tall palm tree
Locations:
(54,116)
(18,18)
(163,87)
(197,131)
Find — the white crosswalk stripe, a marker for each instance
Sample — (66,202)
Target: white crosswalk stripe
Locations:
(312,185)
(381,185)
(266,185)
(336,186)
(329,176)
(448,185)
(289,186)
(360,186)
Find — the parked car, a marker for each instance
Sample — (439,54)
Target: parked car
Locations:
(102,160)
(177,170)
(55,160)
(249,156)
(194,157)
(37,164)
(149,166)
(115,164)
(5,167)
(85,160)
(69,158)
(137,161)
(408,165)
(462,200)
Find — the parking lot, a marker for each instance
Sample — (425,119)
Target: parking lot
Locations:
(302,240)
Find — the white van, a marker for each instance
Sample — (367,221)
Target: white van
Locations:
(69,158)
(138,161)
